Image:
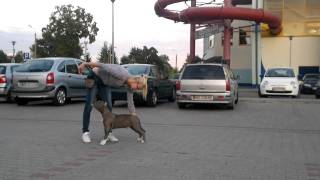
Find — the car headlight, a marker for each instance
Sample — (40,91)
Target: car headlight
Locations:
(293,84)
(264,83)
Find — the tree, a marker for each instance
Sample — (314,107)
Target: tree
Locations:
(61,37)
(3,57)
(19,57)
(105,54)
(148,56)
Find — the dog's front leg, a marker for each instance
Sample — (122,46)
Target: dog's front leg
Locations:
(106,134)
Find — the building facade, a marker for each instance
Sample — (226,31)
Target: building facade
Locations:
(254,49)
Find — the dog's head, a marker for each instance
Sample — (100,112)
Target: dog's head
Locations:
(100,106)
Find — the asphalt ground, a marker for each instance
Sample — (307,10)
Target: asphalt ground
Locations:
(262,138)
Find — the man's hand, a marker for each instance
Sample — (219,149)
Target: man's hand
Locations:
(82,67)
(134,114)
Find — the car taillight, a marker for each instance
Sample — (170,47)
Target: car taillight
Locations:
(3,79)
(228,86)
(50,78)
(178,85)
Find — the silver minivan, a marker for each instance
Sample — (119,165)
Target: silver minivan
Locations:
(48,78)
(207,83)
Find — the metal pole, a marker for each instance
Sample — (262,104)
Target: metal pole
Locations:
(112,47)
(192,36)
(13,51)
(35,45)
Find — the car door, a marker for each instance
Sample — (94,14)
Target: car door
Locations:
(75,81)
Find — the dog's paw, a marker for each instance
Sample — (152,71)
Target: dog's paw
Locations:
(140,140)
(103,141)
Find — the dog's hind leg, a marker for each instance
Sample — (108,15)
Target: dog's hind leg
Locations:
(139,131)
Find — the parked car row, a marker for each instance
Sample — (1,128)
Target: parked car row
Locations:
(59,80)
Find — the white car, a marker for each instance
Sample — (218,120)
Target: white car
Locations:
(279,81)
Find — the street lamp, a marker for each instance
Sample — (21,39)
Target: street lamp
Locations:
(35,42)
(13,51)
(112,46)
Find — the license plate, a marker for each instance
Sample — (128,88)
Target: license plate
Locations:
(28,84)
(202,98)
(278,89)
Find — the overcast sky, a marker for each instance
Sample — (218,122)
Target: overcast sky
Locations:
(136,25)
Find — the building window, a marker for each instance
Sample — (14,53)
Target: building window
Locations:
(244,36)
(211,41)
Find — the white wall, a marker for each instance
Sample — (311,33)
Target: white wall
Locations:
(303,51)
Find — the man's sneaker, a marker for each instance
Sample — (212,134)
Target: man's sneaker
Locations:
(86,137)
(112,138)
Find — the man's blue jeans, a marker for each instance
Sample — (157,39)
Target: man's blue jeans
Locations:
(105,94)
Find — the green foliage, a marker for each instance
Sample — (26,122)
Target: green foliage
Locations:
(18,57)
(61,37)
(105,54)
(148,56)
(3,57)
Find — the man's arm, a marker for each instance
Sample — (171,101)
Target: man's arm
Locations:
(130,102)
(90,64)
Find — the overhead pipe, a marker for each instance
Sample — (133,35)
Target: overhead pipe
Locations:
(204,14)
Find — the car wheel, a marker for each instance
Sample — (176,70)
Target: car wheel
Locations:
(181,105)
(60,97)
(21,101)
(237,100)
(317,96)
(261,95)
(152,98)
(9,98)
(231,105)
(172,98)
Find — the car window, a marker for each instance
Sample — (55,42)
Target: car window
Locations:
(153,71)
(62,67)
(281,72)
(203,72)
(312,76)
(71,67)
(137,69)
(13,68)
(40,65)
(2,69)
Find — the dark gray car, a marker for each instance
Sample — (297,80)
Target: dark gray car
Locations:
(6,70)
(48,78)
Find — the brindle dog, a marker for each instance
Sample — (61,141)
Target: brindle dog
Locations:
(114,121)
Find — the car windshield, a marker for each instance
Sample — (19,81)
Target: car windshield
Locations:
(39,65)
(203,72)
(137,69)
(281,72)
(312,76)
(2,69)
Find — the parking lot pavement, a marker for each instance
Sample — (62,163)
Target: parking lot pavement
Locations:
(272,138)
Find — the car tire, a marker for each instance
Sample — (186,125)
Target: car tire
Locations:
(9,98)
(261,95)
(317,96)
(152,98)
(181,105)
(60,97)
(172,98)
(21,101)
(231,105)
(237,100)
